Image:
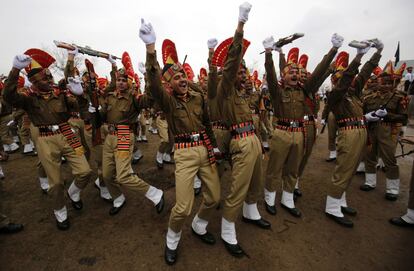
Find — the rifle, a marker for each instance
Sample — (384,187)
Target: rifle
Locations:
(400,142)
(93,97)
(363,44)
(83,50)
(323,128)
(286,40)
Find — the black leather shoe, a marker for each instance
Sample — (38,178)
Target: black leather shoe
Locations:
(293,211)
(160,206)
(261,223)
(64,225)
(77,205)
(197,191)
(234,250)
(11,228)
(330,159)
(366,187)
(207,238)
(114,210)
(170,256)
(44,191)
(391,197)
(297,192)
(341,220)
(159,165)
(271,209)
(398,221)
(348,210)
(135,161)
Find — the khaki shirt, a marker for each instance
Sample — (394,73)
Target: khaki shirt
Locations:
(212,82)
(183,116)
(345,99)
(41,111)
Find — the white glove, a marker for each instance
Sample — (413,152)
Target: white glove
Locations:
(377,44)
(10,123)
(212,43)
(21,61)
(277,49)
(364,50)
(381,112)
(323,122)
(73,52)
(370,117)
(92,109)
(141,68)
(111,59)
(244,10)
(337,40)
(216,150)
(268,42)
(27,83)
(147,33)
(75,85)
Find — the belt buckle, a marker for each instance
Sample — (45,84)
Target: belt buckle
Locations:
(294,124)
(306,117)
(362,122)
(195,137)
(53,128)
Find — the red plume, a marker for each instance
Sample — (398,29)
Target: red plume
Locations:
(137,82)
(377,71)
(126,61)
(220,54)
(168,50)
(293,56)
(303,61)
(41,57)
(102,82)
(20,82)
(341,61)
(188,71)
(255,76)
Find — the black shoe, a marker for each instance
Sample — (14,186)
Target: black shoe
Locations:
(297,192)
(11,228)
(293,211)
(271,209)
(170,256)
(330,159)
(64,225)
(234,250)
(207,238)
(114,210)
(348,210)
(159,165)
(398,221)
(77,205)
(341,220)
(160,206)
(197,191)
(261,223)
(391,197)
(44,191)
(366,187)
(135,161)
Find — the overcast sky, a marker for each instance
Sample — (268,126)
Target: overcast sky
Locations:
(112,26)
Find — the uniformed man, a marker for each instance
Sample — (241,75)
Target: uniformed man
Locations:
(346,104)
(188,121)
(288,140)
(390,106)
(49,109)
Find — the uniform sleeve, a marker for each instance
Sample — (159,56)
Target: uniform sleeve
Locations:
(69,69)
(154,83)
(314,82)
(10,94)
(282,62)
(401,114)
(365,73)
(271,78)
(207,124)
(112,85)
(231,67)
(325,112)
(212,80)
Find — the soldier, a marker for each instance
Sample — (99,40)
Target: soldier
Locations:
(188,121)
(345,103)
(49,109)
(288,140)
(390,106)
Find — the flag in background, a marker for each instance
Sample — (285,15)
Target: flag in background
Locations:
(397,55)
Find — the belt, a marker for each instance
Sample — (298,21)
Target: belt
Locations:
(309,118)
(218,125)
(351,123)
(290,124)
(242,130)
(48,130)
(189,138)
(195,139)
(113,128)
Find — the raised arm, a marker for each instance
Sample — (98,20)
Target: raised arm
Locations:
(212,82)
(271,76)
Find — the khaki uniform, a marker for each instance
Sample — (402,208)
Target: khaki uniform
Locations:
(245,148)
(186,117)
(288,141)
(411,195)
(383,135)
(5,117)
(46,113)
(346,105)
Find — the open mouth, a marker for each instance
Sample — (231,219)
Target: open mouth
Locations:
(183,84)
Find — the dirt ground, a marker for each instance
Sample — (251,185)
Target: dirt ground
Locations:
(134,239)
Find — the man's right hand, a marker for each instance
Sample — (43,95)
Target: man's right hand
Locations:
(244,10)
(147,33)
(21,61)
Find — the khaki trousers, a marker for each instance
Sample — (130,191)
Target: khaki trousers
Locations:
(78,125)
(411,195)
(246,176)
(349,150)
(188,163)
(285,155)
(310,141)
(50,150)
(383,143)
(332,130)
(4,130)
(95,157)
(162,126)
(24,130)
(142,123)
(223,141)
(117,170)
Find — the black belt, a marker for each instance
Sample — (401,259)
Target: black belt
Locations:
(189,138)
(291,124)
(309,118)
(114,127)
(358,123)
(240,130)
